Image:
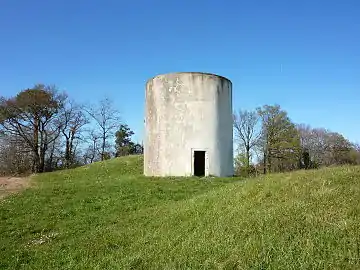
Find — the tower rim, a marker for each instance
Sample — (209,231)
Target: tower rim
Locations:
(189,72)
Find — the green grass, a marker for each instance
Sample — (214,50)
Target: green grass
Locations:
(108,216)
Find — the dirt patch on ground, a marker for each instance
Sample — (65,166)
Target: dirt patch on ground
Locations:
(9,185)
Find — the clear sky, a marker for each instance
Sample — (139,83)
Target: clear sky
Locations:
(303,55)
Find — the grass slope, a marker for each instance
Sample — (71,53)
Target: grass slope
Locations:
(108,216)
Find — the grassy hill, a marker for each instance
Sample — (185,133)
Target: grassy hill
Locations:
(108,216)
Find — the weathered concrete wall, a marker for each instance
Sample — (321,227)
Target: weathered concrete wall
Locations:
(186,111)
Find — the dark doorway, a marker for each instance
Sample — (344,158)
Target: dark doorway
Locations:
(199,163)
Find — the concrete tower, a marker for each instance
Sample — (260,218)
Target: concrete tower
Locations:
(188,125)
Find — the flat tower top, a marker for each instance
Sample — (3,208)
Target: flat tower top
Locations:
(190,72)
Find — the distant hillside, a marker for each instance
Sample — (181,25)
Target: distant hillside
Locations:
(108,216)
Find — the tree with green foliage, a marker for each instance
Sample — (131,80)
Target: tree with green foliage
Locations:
(123,143)
(242,166)
(279,139)
(32,115)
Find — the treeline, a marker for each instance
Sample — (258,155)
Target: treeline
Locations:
(268,141)
(42,129)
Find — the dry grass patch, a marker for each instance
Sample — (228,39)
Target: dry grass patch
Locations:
(11,185)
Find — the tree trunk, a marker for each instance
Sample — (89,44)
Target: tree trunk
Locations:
(71,150)
(36,164)
(51,158)
(67,153)
(103,146)
(42,160)
(247,160)
(265,157)
(93,152)
(269,160)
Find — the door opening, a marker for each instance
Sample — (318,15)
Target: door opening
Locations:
(199,163)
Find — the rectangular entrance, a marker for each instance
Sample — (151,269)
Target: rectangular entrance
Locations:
(199,163)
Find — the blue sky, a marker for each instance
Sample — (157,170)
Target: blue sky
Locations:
(303,55)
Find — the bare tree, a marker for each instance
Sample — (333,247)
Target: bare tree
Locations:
(246,131)
(54,157)
(107,119)
(73,120)
(93,149)
(325,147)
(15,156)
(306,142)
(355,154)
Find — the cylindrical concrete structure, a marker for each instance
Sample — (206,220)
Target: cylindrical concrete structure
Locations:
(188,125)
